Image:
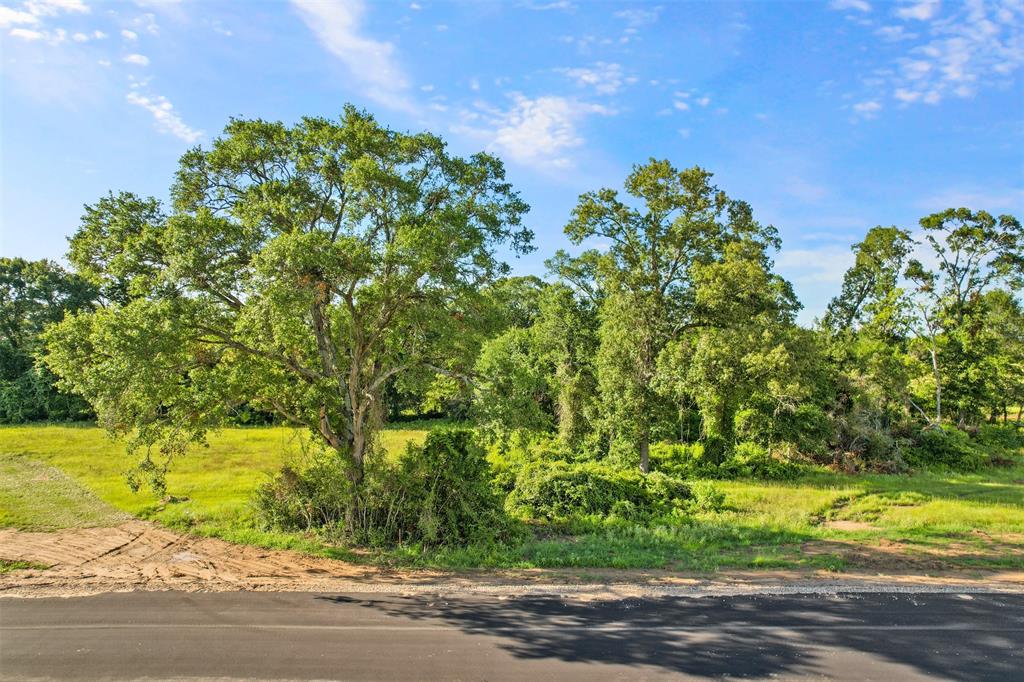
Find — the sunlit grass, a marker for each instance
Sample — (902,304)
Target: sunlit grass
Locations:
(763,525)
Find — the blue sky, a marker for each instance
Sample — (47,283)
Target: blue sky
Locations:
(828,117)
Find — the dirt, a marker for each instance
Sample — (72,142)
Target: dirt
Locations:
(138,555)
(848,525)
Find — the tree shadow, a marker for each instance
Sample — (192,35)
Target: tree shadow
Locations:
(977,637)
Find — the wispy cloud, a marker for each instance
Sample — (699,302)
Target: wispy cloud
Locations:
(605,78)
(136,59)
(372,63)
(167,120)
(867,109)
(537,132)
(50,8)
(858,5)
(951,51)
(922,11)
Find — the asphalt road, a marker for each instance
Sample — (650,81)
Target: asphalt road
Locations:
(489,637)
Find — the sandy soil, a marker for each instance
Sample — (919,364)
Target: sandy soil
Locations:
(138,555)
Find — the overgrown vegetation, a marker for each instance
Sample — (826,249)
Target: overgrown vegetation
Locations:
(338,275)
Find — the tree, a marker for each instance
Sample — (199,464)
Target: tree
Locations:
(34,294)
(868,323)
(1004,322)
(746,313)
(676,220)
(299,269)
(870,287)
(973,251)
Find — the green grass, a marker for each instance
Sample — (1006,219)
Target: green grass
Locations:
(964,520)
(35,496)
(7,565)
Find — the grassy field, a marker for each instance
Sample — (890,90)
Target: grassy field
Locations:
(63,476)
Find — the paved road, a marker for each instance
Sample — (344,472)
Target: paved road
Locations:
(488,637)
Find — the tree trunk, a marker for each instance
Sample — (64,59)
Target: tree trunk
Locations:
(938,385)
(645,453)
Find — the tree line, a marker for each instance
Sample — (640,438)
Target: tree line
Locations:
(334,274)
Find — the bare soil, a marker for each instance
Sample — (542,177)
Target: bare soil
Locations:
(138,555)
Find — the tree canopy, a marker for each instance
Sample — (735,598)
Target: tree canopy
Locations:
(298,269)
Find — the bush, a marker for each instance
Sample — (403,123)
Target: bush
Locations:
(946,447)
(447,498)
(562,490)
(438,493)
(684,460)
(307,494)
(747,460)
(706,497)
(807,427)
(750,460)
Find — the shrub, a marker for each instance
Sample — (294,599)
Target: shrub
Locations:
(306,494)
(945,447)
(561,490)
(706,497)
(448,498)
(684,460)
(750,460)
(438,493)
(806,426)
(747,460)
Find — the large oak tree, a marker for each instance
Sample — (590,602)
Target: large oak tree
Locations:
(298,270)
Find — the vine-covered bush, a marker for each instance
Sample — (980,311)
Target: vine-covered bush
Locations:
(560,489)
(438,493)
(946,447)
(746,460)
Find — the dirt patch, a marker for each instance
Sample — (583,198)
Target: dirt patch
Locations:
(848,525)
(142,555)
(138,555)
(909,557)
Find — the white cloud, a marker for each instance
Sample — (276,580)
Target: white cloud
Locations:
(80,37)
(605,78)
(12,17)
(545,6)
(370,62)
(868,109)
(895,33)
(859,5)
(681,105)
(704,101)
(26,34)
(129,35)
(167,120)
(922,11)
(684,133)
(50,8)
(137,59)
(635,18)
(536,132)
(972,46)
(414,6)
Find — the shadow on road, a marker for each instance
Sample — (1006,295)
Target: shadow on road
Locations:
(941,635)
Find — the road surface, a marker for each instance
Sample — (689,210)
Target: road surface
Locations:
(490,637)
